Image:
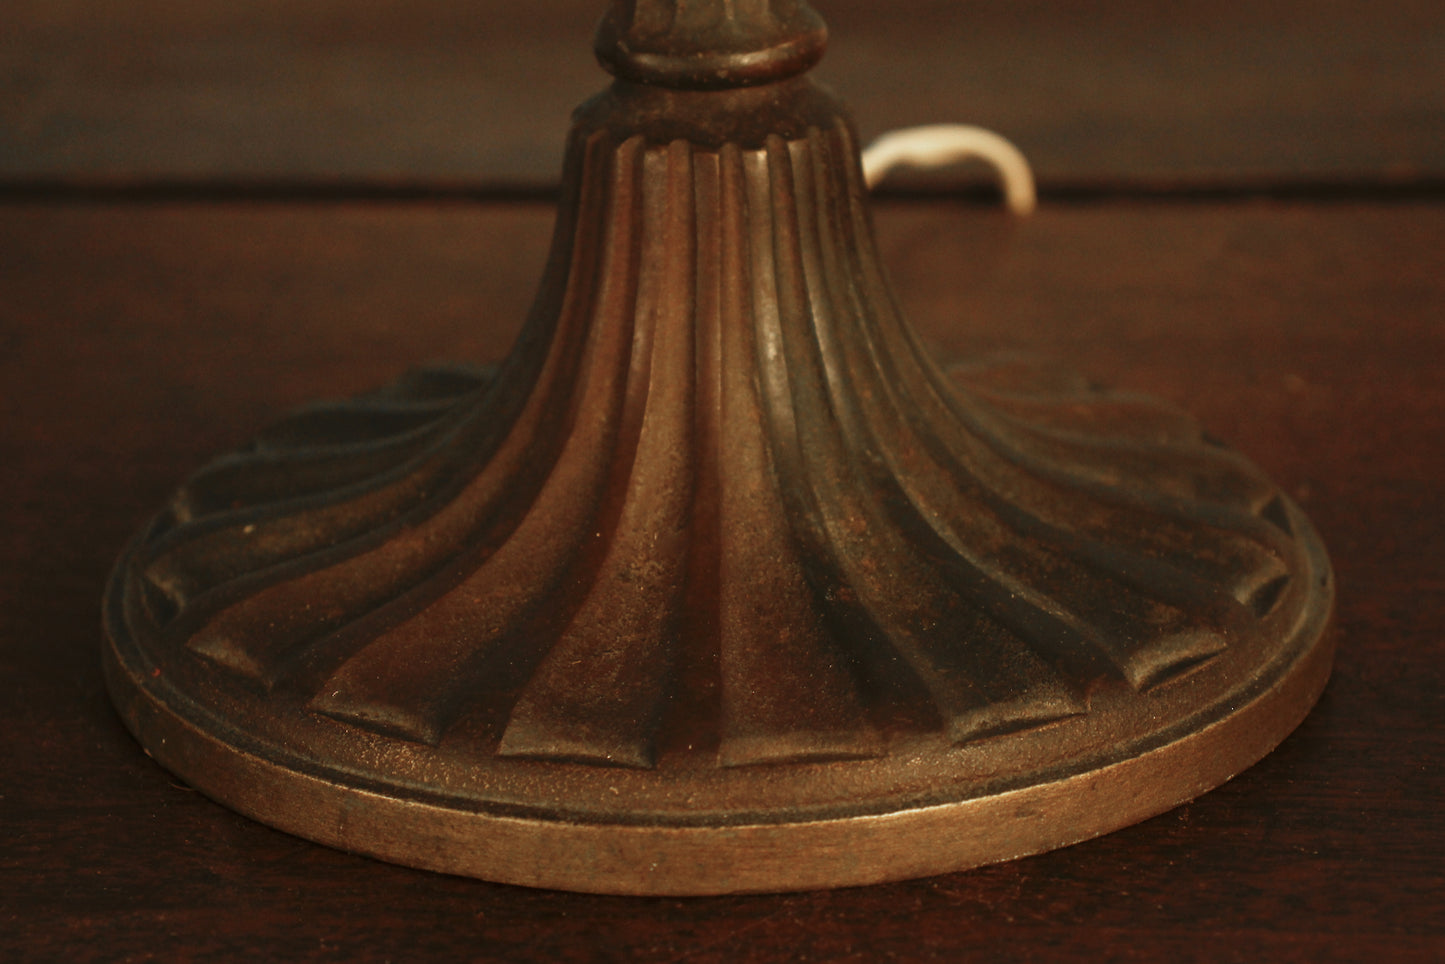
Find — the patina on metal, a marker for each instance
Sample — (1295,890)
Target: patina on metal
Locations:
(718,583)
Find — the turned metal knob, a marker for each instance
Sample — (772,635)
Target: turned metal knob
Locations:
(710,44)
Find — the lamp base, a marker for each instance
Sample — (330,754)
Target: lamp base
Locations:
(718,583)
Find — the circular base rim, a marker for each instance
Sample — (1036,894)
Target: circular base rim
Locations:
(672,860)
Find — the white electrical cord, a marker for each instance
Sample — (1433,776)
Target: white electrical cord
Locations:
(938,145)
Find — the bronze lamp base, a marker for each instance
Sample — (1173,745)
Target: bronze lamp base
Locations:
(718,583)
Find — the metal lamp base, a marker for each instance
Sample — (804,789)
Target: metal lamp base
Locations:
(718,583)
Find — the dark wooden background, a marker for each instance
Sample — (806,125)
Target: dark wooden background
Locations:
(216,209)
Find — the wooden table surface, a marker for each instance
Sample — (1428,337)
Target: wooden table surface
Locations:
(210,212)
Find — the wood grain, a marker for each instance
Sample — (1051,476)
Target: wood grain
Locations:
(384,92)
(137,340)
